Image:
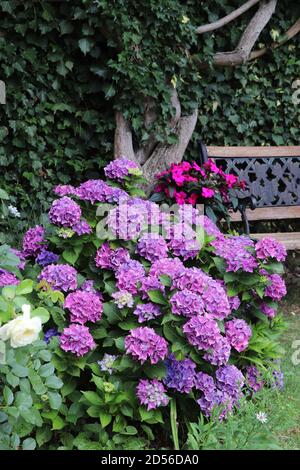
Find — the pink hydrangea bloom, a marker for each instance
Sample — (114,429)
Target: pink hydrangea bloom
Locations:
(8,279)
(152,394)
(129,275)
(77,339)
(60,277)
(34,241)
(120,168)
(268,311)
(108,258)
(277,289)
(202,332)
(187,303)
(65,212)
(143,344)
(152,247)
(220,353)
(269,248)
(238,333)
(84,306)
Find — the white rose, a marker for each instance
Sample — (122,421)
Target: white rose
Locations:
(22,330)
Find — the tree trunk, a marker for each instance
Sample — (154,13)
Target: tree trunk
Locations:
(162,155)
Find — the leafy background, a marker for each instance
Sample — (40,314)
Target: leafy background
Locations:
(68,65)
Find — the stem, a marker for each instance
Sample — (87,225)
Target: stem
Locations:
(174,427)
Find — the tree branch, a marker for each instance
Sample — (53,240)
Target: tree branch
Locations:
(226,19)
(295,29)
(242,53)
(123,138)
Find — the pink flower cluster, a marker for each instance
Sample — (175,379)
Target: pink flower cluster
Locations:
(152,394)
(84,306)
(152,247)
(60,277)
(77,339)
(8,279)
(108,258)
(269,248)
(34,241)
(191,183)
(238,333)
(143,344)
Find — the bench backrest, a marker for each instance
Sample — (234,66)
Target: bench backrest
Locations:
(272,175)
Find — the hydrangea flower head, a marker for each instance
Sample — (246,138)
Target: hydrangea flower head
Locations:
(123,298)
(84,306)
(202,332)
(220,353)
(230,379)
(167,266)
(107,363)
(146,312)
(60,277)
(268,311)
(180,374)
(129,275)
(46,257)
(186,303)
(34,241)
(65,212)
(238,333)
(77,339)
(108,258)
(82,228)
(143,344)
(277,289)
(253,378)
(64,190)
(8,279)
(152,247)
(49,334)
(270,248)
(118,169)
(235,250)
(152,394)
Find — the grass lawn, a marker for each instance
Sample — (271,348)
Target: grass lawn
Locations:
(286,407)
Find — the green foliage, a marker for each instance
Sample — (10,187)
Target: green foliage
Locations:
(31,398)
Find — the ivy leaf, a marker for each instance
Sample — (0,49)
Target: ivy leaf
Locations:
(85,45)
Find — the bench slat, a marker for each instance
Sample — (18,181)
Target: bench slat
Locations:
(291,240)
(268,213)
(253,152)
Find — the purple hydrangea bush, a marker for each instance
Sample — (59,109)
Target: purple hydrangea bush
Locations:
(180,314)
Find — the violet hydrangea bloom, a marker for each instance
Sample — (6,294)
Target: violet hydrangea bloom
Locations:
(49,334)
(129,275)
(146,312)
(123,298)
(64,190)
(238,333)
(277,289)
(216,300)
(65,212)
(253,378)
(234,302)
(107,363)
(125,222)
(82,228)
(167,266)
(8,279)
(144,344)
(193,279)
(235,250)
(278,376)
(270,248)
(84,306)
(46,257)
(34,241)
(204,382)
(152,393)
(118,169)
(202,332)
(150,283)
(152,247)
(230,380)
(220,353)
(270,312)
(183,241)
(77,339)
(60,277)
(92,191)
(108,258)
(180,374)
(186,303)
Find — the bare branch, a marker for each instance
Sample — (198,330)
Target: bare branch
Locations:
(242,53)
(293,31)
(123,138)
(226,19)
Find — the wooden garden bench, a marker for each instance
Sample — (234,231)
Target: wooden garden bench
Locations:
(272,175)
